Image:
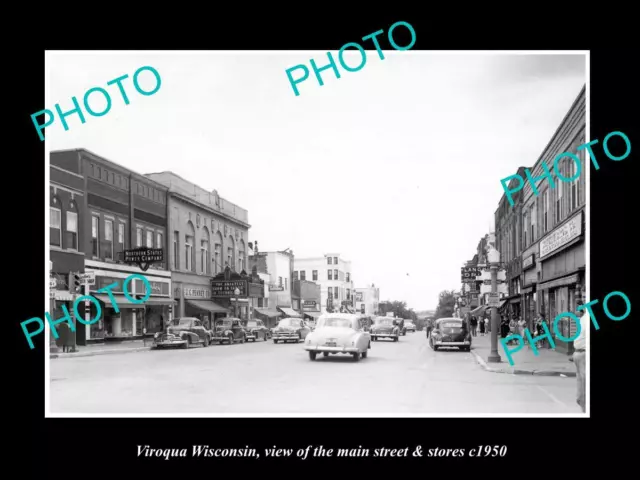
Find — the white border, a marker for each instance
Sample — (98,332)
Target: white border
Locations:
(47,395)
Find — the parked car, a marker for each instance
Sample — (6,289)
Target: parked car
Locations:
(230,330)
(338,333)
(401,326)
(450,332)
(290,330)
(410,326)
(184,332)
(384,327)
(255,329)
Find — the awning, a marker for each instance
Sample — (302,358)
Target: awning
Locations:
(207,306)
(267,313)
(159,301)
(479,310)
(314,315)
(514,300)
(120,300)
(289,312)
(502,304)
(559,282)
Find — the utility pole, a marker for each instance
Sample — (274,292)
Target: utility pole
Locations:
(53,346)
(494,258)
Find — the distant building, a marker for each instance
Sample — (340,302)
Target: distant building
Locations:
(332,273)
(367,299)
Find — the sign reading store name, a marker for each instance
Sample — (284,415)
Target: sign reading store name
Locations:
(143,257)
(561,236)
(527,262)
(190,292)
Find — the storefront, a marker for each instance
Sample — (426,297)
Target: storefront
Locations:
(563,260)
(132,320)
(529,282)
(268,316)
(194,300)
(237,292)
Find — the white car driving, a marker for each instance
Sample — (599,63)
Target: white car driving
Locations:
(338,333)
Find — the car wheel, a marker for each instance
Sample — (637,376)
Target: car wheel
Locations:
(299,338)
(325,354)
(312,355)
(243,339)
(206,341)
(275,341)
(230,339)
(364,354)
(395,339)
(356,357)
(186,343)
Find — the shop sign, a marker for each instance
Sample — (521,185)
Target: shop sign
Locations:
(527,262)
(276,288)
(157,288)
(102,282)
(226,288)
(256,290)
(359,296)
(143,257)
(189,292)
(469,274)
(561,236)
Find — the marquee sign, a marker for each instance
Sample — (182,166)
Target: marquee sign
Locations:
(143,257)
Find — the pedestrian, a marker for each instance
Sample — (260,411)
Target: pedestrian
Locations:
(482,326)
(513,328)
(579,358)
(474,326)
(65,339)
(504,328)
(429,326)
(521,328)
(540,329)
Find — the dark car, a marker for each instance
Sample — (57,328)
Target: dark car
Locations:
(450,332)
(230,330)
(384,327)
(291,330)
(401,326)
(184,332)
(410,326)
(255,329)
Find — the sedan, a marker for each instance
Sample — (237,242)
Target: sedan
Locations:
(290,330)
(255,329)
(384,327)
(450,332)
(338,333)
(410,326)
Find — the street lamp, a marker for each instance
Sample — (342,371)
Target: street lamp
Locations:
(493,256)
(235,309)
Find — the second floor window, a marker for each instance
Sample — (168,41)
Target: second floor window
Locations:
(280,281)
(330,274)
(188,254)
(159,240)
(95,234)
(139,237)
(314,275)
(348,276)
(217,267)
(72,230)
(121,236)
(176,250)
(329,260)
(303,275)
(108,239)
(204,256)
(149,242)
(335,274)
(55,227)
(545,203)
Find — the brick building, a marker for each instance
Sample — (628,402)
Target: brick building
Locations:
(124,210)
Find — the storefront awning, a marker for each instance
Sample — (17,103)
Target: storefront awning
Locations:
(479,311)
(502,304)
(207,306)
(120,300)
(289,312)
(267,313)
(314,315)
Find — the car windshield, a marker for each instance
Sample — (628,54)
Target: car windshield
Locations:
(289,322)
(222,323)
(336,322)
(184,323)
(384,321)
(451,327)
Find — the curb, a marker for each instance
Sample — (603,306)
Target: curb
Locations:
(516,371)
(99,352)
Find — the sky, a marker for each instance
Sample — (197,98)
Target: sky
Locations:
(396,167)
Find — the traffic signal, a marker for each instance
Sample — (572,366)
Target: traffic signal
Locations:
(74,282)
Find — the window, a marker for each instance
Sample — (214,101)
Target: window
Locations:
(559,208)
(204,256)
(279,281)
(329,260)
(95,233)
(149,242)
(303,275)
(286,287)
(314,275)
(159,240)
(295,275)
(525,227)
(348,276)
(573,188)
(121,236)
(108,239)
(330,274)
(230,257)
(55,227)
(335,274)
(216,259)
(532,215)
(72,230)
(138,236)
(188,259)
(241,260)
(545,209)
(348,294)
(335,260)
(176,250)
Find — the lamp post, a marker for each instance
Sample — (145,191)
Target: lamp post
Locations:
(53,346)
(494,259)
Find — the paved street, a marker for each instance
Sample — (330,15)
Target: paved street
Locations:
(401,378)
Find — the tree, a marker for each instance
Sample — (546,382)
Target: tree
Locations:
(446,304)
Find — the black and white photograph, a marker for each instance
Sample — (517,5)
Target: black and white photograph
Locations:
(281,234)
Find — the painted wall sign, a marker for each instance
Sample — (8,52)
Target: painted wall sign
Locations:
(561,236)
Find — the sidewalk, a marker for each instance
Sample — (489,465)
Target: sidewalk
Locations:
(547,362)
(105,349)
